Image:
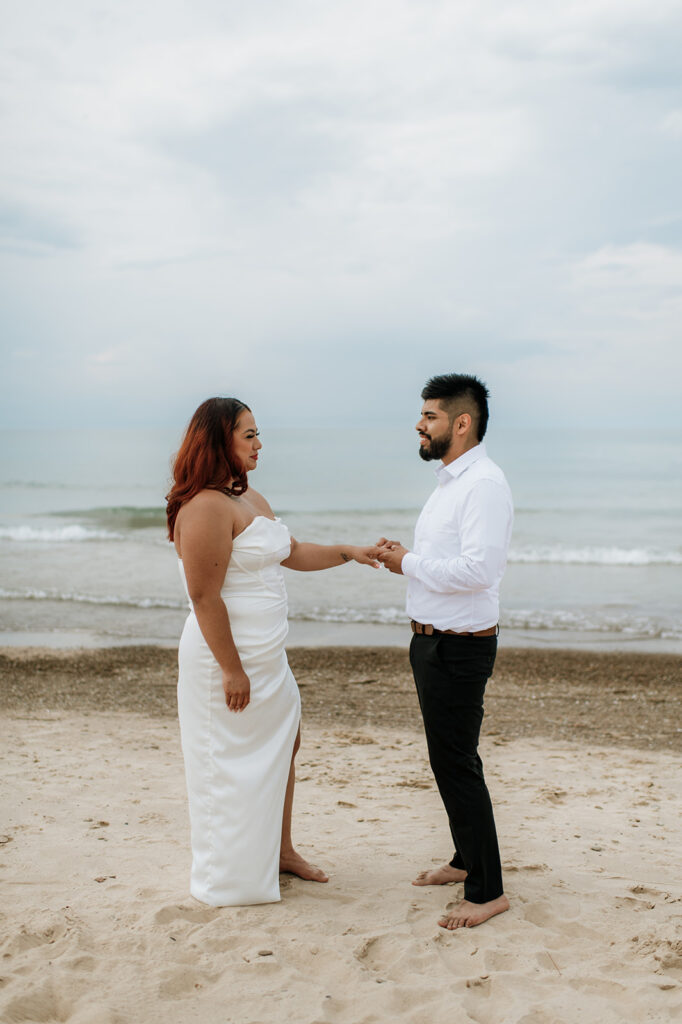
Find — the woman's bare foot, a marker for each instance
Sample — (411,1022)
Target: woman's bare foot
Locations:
(292,863)
(440,876)
(468,915)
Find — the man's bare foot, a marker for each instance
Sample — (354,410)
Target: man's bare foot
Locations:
(440,876)
(292,863)
(468,915)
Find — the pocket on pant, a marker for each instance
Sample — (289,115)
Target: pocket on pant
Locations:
(468,656)
(492,655)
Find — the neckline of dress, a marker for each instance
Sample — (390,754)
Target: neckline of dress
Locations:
(275,520)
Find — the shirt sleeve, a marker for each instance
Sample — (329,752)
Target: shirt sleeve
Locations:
(485,526)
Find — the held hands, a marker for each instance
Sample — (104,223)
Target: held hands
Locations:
(365,556)
(237,689)
(390,553)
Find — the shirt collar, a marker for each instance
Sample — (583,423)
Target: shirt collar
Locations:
(456,468)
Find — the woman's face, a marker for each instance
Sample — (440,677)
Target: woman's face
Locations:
(245,441)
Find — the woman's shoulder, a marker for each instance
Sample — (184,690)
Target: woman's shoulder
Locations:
(208,502)
(259,503)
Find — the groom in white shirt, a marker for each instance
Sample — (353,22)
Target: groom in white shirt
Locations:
(453,582)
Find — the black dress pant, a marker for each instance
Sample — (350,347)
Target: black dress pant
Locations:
(450,673)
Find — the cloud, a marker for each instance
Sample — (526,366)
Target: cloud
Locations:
(31,233)
(671,124)
(335,201)
(629,298)
(632,273)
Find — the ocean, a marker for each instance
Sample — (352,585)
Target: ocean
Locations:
(595,562)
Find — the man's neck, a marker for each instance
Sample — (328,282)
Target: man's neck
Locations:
(456,451)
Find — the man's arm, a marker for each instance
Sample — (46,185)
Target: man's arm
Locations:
(484,529)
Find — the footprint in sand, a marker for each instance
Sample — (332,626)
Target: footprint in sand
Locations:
(482,983)
(508,868)
(664,945)
(632,903)
(379,952)
(552,795)
(495,960)
(648,891)
(183,983)
(49,933)
(149,894)
(194,915)
(82,963)
(391,957)
(611,990)
(153,818)
(535,1017)
(36,1006)
(562,919)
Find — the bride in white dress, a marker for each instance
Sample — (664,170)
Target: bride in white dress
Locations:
(238,701)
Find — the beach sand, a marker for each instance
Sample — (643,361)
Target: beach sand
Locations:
(582,759)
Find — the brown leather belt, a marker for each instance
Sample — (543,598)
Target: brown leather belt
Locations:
(428,630)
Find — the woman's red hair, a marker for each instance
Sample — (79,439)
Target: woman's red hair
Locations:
(206,456)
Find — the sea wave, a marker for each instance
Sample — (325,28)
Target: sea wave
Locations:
(599,621)
(74,533)
(37,485)
(561,620)
(31,594)
(558,555)
(118,523)
(568,620)
(380,616)
(122,517)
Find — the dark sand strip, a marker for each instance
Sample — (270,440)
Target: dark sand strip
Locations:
(608,699)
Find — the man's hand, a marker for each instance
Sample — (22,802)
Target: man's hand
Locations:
(391,553)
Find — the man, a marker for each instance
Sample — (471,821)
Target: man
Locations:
(453,579)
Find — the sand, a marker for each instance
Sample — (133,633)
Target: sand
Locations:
(582,759)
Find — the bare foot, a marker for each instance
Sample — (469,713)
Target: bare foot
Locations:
(440,876)
(468,915)
(293,864)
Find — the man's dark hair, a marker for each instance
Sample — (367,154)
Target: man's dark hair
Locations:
(455,390)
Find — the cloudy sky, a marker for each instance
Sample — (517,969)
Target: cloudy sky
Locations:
(316,205)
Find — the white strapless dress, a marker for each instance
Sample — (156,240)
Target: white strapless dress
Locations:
(237,763)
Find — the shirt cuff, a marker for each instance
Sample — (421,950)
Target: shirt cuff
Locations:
(409,564)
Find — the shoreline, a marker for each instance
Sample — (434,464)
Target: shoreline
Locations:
(609,699)
(315,633)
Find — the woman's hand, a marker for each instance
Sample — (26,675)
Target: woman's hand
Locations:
(365,556)
(237,689)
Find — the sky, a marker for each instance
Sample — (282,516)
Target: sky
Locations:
(316,206)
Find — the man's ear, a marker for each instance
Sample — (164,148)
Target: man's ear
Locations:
(462,423)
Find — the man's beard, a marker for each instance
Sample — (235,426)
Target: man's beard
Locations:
(435,449)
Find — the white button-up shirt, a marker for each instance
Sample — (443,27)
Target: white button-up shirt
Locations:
(460,546)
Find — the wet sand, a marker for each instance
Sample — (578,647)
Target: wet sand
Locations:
(610,699)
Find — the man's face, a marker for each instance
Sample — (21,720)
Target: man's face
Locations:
(435,431)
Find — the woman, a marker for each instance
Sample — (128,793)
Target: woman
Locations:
(238,701)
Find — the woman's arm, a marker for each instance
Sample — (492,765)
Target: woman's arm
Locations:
(206,524)
(309,557)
